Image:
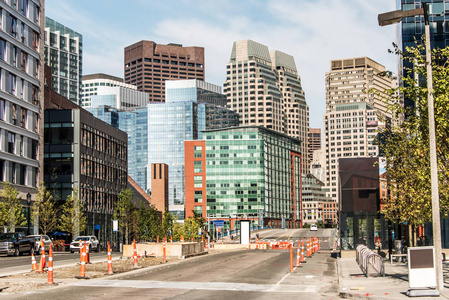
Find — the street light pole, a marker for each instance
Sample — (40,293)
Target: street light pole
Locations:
(396,17)
(28,219)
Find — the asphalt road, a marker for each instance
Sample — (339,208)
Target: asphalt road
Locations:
(244,274)
(12,265)
(326,236)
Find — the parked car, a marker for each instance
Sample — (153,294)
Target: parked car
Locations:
(14,243)
(94,244)
(37,243)
(313,227)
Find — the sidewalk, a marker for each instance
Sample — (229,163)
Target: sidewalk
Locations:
(353,283)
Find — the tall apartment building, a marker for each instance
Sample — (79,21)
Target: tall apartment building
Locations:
(148,65)
(354,92)
(245,173)
(314,143)
(21,95)
(265,89)
(64,54)
(102,89)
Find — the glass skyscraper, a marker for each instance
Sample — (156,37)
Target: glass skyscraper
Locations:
(191,106)
(63,52)
(412,28)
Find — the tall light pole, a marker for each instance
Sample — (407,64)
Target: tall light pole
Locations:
(28,219)
(396,17)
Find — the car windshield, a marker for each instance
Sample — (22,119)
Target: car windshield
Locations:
(7,235)
(37,237)
(82,238)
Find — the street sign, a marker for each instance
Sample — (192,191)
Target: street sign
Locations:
(219,223)
(114,225)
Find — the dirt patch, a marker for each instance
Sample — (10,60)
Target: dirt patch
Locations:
(30,281)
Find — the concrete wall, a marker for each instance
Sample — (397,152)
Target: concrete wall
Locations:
(172,249)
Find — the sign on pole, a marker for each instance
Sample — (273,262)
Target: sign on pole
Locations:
(219,223)
(115,225)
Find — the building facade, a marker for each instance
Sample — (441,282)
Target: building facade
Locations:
(21,96)
(355,106)
(314,143)
(86,153)
(102,89)
(351,130)
(64,54)
(245,173)
(317,207)
(190,108)
(265,89)
(148,65)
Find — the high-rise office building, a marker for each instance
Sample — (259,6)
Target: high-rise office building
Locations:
(148,65)
(64,54)
(102,89)
(354,101)
(21,95)
(190,108)
(265,89)
(245,173)
(314,142)
(411,29)
(156,132)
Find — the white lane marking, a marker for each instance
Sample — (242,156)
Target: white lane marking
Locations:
(187,285)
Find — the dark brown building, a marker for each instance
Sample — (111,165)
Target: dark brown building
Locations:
(148,65)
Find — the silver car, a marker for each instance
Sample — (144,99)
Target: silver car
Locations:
(37,244)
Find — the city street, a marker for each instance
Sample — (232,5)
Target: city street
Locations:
(255,274)
(13,265)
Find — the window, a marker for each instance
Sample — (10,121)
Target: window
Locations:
(35,40)
(12,84)
(11,142)
(13,31)
(2,109)
(2,49)
(198,181)
(197,166)
(24,61)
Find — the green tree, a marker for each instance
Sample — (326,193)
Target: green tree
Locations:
(191,227)
(45,210)
(148,222)
(125,213)
(11,214)
(406,147)
(72,217)
(167,224)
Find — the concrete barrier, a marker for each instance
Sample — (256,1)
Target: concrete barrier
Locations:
(179,250)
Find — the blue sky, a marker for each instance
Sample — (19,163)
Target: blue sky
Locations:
(314,32)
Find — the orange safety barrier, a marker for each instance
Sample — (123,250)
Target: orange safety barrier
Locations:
(291,258)
(110,272)
(82,274)
(206,246)
(298,257)
(34,266)
(302,252)
(42,263)
(135,253)
(165,253)
(87,258)
(182,239)
(50,265)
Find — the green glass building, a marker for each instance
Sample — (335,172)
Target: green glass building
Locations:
(253,173)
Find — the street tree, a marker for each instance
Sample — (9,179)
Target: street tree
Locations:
(406,147)
(191,227)
(11,214)
(148,222)
(44,210)
(73,218)
(167,223)
(125,213)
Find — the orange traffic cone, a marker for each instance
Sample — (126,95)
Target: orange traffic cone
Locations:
(303,260)
(182,239)
(42,262)
(82,274)
(298,257)
(164,253)
(50,266)
(135,254)
(109,260)
(87,258)
(34,266)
